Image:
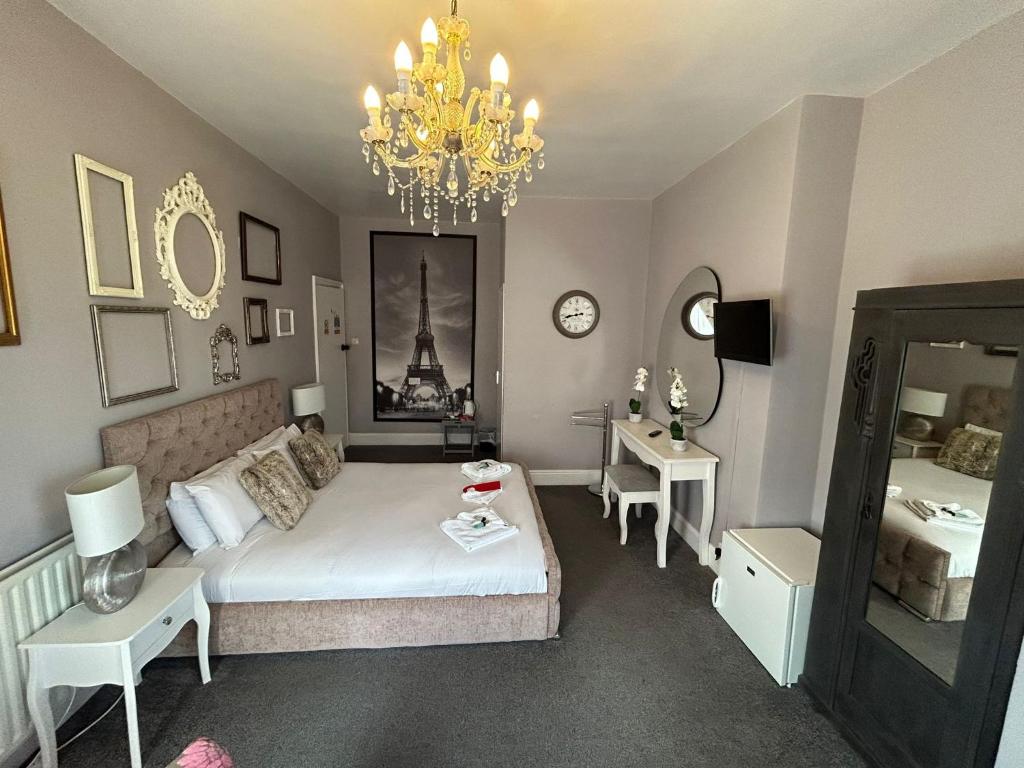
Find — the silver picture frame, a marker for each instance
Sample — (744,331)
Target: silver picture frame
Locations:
(103,354)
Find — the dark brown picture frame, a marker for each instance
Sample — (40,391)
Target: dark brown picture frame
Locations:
(244,221)
(10,336)
(264,336)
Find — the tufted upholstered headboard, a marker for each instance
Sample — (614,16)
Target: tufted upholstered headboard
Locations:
(174,444)
(987,406)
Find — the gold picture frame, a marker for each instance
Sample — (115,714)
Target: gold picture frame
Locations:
(10,335)
(83,166)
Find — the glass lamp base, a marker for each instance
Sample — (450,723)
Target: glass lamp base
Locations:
(112,580)
(314,421)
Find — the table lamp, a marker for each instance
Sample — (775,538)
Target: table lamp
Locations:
(308,402)
(106,516)
(916,404)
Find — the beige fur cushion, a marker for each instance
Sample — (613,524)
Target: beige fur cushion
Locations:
(277,490)
(971,453)
(315,457)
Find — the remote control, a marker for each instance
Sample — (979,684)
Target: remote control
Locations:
(655,433)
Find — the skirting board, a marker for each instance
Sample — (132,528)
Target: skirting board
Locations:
(394,438)
(565,476)
(691,536)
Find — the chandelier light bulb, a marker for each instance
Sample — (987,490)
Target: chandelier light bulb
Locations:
(499,72)
(428,35)
(403,58)
(371,99)
(531,112)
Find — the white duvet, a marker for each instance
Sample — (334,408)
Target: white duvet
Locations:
(374,532)
(923,479)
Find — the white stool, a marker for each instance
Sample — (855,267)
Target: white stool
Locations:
(633,484)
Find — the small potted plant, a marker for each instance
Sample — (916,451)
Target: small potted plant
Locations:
(635,406)
(677,401)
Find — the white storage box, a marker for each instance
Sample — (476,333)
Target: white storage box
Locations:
(764,592)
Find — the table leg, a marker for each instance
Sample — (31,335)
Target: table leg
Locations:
(616,445)
(664,515)
(38,696)
(202,612)
(606,496)
(707,515)
(130,710)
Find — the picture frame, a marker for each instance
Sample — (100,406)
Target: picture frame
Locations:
(83,167)
(222,334)
(136,355)
(285,321)
(261,250)
(257,323)
(440,378)
(10,333)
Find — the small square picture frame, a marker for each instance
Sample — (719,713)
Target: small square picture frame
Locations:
(285,321)
(257,323)
(247,225)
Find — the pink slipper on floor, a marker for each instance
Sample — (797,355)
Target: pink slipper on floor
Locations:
(203,753)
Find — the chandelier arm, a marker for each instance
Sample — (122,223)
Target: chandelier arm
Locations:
(515,165)
(391,160)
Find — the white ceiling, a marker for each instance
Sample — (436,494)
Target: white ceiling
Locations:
(634,94)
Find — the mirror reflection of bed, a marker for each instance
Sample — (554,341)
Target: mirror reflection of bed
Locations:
(954,408)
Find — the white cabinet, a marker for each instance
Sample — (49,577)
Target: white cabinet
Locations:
(764,592)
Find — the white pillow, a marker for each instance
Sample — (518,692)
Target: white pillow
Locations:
(188,522)
(185,514)
(983,430)
(263,442)
(224,504)
(262,447)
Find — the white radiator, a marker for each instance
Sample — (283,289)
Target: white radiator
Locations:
(33,592)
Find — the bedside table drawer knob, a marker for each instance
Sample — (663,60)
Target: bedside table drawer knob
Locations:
(167,621)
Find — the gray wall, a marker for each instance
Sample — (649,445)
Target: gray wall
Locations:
(355,270)
(731,214)
(823,177)
(552,246)
(63,92)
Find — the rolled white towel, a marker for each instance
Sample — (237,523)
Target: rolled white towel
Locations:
(465,529)
(892,491)
(488,469)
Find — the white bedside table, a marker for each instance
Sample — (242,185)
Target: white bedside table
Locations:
(908,448)
(82,648)
(337,442)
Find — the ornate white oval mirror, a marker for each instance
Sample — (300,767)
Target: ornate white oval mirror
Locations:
(183,252)
(687,343)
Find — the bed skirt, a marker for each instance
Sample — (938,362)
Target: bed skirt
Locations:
(317,625)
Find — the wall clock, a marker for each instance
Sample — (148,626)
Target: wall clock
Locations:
(698,316)
(575,314)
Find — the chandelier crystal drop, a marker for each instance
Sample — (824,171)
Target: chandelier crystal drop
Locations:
(425,137)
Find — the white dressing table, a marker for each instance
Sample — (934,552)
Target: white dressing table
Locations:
(692,464)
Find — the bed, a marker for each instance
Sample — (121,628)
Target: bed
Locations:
(366,567)
(930,568)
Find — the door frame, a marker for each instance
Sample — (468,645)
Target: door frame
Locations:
(327,282)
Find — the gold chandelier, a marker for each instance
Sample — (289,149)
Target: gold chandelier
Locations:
(434,130)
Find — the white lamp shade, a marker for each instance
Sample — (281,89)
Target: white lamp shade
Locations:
(105,509)
(308,399)
(923,401)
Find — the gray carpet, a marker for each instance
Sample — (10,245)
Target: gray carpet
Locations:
(646,674)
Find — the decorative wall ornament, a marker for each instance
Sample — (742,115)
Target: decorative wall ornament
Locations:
(223,334)
(132,351)
(257,324)
(285,322)
(862,379)
(9,334)
(261,250)
(187,197)
(83,166)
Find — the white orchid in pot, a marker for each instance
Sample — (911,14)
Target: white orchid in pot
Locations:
(639,385)
(677,401)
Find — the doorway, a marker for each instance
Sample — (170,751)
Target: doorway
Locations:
(330,335)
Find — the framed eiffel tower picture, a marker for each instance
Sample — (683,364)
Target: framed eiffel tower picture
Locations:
(423,302)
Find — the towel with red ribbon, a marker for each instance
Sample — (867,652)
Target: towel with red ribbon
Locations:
(482,493)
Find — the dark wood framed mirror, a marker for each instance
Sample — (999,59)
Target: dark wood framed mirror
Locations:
(917,622)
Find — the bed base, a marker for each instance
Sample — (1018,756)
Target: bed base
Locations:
(916,573)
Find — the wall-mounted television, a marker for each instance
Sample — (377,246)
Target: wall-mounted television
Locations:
(744,331)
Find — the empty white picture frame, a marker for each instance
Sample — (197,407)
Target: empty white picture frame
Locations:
(285,322)
(109,230)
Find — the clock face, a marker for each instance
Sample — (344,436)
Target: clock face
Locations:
(699,316)
(576,314)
